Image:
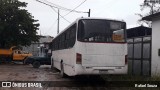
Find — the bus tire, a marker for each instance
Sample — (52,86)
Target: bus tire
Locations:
(52,64)
(62,74)
(36,64)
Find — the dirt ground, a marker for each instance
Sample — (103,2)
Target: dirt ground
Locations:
(50,79)
(20,72)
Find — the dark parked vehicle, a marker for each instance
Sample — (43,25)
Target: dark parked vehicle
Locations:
(37,61)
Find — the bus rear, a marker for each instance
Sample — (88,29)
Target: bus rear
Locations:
(101,47)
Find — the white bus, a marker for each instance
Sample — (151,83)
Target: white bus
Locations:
(91,46)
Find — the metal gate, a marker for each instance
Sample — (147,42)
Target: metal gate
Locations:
(139,55)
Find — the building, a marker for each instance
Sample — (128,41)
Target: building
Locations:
(39,48)
(155,53)
(139,50)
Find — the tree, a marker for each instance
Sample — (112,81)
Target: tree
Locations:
(153,6)
(17,26)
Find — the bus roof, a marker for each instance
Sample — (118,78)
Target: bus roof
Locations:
(87,18)
(101,18)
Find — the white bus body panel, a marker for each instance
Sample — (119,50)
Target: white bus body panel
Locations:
(97,58)
(102,54)
(68,56)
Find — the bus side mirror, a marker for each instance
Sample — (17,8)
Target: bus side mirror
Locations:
(158,52)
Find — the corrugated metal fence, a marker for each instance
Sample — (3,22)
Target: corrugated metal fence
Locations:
(139,55)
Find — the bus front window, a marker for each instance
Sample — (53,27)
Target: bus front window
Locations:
(91,30)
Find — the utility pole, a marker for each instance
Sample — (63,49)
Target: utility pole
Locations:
(58,23)
(89,12)
(59,7)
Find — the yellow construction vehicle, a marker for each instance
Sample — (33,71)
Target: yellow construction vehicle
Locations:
(13,54)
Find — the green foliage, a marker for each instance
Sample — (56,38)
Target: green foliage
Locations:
(17,26)
(153,8)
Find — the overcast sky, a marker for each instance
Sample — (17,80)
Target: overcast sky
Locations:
(115,9)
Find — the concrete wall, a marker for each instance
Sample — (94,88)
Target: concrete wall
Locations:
(33,48)
(155,63)
(37,48)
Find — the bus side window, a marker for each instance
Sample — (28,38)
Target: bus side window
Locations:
(59,42)
(66,39)
(56,44)
(81,33)
(63,41)
(73,35)
(53,45)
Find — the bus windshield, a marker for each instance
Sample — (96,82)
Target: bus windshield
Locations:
(95,30)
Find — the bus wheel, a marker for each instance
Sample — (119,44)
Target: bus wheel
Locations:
(62,70)
(52,64)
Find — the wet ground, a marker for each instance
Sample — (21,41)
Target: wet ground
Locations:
(25,77)
(19,72)
(26,73)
